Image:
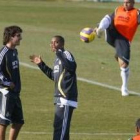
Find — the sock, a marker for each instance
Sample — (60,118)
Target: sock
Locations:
(125,76)
(104,24)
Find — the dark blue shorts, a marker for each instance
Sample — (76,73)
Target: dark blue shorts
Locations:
(120,43)
(10,109)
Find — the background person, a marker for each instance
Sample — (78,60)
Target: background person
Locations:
(120,28)
(137,136)
(65,94)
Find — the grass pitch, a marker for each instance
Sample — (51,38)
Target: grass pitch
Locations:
(102,113)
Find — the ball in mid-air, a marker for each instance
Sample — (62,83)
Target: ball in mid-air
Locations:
(87,35)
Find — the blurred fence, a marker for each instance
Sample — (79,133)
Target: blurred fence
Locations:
(110,0)
(102,0)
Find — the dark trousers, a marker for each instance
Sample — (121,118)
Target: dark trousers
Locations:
(62,119)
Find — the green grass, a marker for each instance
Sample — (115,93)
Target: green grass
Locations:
(102,113)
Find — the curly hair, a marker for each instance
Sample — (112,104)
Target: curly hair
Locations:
(9,32)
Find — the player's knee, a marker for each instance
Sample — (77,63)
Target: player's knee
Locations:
(123,65)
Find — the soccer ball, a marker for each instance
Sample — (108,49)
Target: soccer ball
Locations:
(87,35)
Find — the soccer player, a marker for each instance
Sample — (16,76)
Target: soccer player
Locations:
(120,28)
(65,94)
(137,136)
(10,84)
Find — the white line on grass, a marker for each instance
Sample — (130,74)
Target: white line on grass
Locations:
(105,85)
(86,134)
(86,80)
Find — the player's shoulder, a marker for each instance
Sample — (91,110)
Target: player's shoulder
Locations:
(3,50)
(68,55)
(117,8)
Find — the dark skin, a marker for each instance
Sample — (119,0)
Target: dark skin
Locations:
(137,130)
(55,45)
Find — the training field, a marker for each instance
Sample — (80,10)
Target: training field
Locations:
(102,113)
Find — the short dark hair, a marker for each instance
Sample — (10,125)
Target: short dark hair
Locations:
(61,39)
(133,1)
(138,123)
(10,31)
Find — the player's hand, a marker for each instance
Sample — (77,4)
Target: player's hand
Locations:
(35,59)
(12,85)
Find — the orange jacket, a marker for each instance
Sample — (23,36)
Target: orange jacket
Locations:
(136,137)
(126,22)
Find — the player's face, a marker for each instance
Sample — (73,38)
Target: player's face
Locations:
(16,39)
(128,4)
(56,44)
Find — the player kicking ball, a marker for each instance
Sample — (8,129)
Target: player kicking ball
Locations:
(120,28)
